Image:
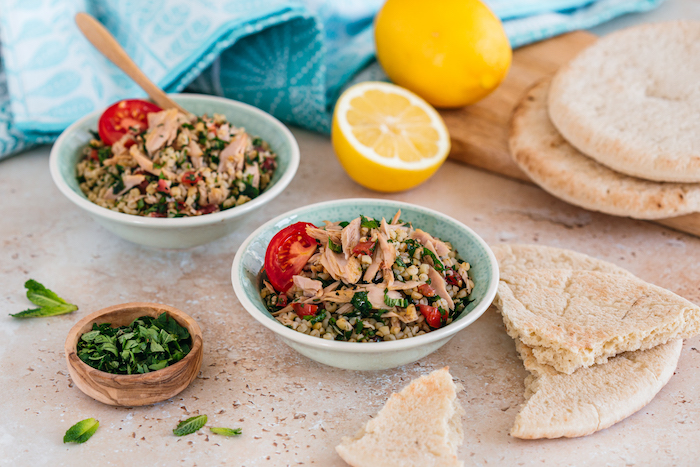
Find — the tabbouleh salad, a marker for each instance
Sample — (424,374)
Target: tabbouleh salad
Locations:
(163,163)
(364,280)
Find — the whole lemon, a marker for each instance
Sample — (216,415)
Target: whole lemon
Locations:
(450,52)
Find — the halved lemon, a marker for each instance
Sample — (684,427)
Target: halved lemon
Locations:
(386,137)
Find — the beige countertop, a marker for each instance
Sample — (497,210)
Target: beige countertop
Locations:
(292,410)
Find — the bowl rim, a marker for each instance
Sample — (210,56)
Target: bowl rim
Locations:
(205,219)
(191,357)
(356,347)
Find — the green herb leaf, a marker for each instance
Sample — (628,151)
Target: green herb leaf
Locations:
(438,264)
(335,247)
(344,224)
(400,302)
(411,246)
(399,262)
(190,425)
(104,153)
(81,431)
(226,431)
(361,302)
(50,304)
(370,224)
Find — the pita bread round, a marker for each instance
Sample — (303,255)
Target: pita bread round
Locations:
(591,399)
(631,100)
(559,168)
(524,257)
(574,319)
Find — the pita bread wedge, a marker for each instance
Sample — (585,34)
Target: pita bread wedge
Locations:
(594,398)
(562,170)
(574,319)
(630,101)
(525,257)
(421,426)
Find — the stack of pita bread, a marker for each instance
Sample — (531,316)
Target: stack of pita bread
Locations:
(617,129)
(599,343)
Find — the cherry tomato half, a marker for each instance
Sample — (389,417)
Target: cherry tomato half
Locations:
(454,279)
(118,118)
(426,290)
(432,315)
(305,309)
(190,178)
(364,248)
(287,253)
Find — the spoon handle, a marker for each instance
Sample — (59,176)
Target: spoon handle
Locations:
(110,48)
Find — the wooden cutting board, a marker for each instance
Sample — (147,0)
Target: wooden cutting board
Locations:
(480,132)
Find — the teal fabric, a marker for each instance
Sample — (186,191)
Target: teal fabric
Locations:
(291,59)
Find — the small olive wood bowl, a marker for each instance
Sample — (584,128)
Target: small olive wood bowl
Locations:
(141,389)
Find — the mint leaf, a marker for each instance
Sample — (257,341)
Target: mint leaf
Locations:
(369,223)
(81,431)
(226,431)
(49,303)
(190,425)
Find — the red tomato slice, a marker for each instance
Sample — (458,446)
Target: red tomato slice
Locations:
(432,315)
(305,309)
(287,253)
(281,300)
(118,118)
(364,248)
(454,279)
(190,178)
(426,290)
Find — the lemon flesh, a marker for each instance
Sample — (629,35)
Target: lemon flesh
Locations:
(387,138)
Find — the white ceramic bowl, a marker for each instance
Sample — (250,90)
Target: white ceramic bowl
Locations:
(183,232)
(249,259)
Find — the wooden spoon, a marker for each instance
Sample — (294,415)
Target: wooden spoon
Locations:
(110,48)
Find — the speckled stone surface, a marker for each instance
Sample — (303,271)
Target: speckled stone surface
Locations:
(292,410)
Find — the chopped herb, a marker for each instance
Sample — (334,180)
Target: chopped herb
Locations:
(361,302)
(81,179)
(104,153)
(217,143)
(438,265)
(257,141)
(317,318)
(147,344)
(226,431)
(412,246)
(370,224)
(162,176)
(344,224)
(250,191)
(140,204)
(119,168)
(400,263)
(335,247)
(158,165)
(188,126)
(81,431)
(118,186)
(190,425)
(95,135)
(48,302)
(400,302)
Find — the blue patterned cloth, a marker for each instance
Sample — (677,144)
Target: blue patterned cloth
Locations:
(291,59)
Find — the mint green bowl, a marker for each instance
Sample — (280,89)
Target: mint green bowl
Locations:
(249,259)
(183,232)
